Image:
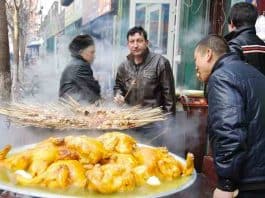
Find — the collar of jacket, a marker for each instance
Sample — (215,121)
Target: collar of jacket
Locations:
(146,57)
(228,57)
(78,56)
(244,29)
(219,63)
(82,63)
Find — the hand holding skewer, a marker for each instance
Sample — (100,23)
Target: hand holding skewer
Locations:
(119,99)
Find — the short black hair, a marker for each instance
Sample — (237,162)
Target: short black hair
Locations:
(79,43)
(215,43)
(137,29)
(243,14)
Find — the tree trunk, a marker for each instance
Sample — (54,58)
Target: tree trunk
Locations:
(5,76)
(16,43)
(23,42)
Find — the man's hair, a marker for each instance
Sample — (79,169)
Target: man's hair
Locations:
(243,14)
(79,43)
(137,29)
(213,42)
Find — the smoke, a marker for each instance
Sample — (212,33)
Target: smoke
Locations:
(41,83)
(18,136)
(108,58)
(42,73)
(180,134)
(197,31)
(41,80)
(189,37)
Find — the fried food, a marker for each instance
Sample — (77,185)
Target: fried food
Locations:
(90,150)
(127,160)
(36,160)
(111,178)
(189,166)
(15,162)
(158,162)
(118,142)
(110,163)
(60,174)
(4,151)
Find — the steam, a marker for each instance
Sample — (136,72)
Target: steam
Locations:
(42,84)
(197,30)
(179,134)
(42,79)
(19,136)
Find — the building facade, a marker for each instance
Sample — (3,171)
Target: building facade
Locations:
(173,27)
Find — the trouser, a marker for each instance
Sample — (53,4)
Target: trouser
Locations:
(252,194)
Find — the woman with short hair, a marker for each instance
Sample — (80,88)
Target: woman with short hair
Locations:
(77,80)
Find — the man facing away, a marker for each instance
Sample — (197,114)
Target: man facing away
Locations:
(242,38)
(145,78)
(236,118)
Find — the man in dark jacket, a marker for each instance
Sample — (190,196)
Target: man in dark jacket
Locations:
(236,120)
(145,78)
(77,79)
(242,38)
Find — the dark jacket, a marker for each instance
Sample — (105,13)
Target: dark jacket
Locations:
(78,82)
(154,82)
(249,46)
(236,123)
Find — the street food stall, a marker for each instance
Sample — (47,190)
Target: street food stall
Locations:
(177,134)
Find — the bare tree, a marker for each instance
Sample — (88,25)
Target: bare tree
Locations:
(5,76)
(21,20)
(13,22)
(26,12)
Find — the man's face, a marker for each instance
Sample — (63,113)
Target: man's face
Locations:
(89,53)
(137,44)
(203,65)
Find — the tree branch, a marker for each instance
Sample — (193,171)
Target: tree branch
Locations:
(10,26)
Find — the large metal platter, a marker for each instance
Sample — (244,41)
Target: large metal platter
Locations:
(154,192)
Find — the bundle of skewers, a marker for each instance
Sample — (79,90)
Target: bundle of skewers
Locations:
(69,114)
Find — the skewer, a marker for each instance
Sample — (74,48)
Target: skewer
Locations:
(65,115)
(130,88)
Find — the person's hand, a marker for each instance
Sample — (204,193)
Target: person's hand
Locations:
(99,102)
(224,194)
(119,99)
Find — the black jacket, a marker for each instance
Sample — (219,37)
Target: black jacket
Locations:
(78,82)
(236,123)
(154,82)
(249,46)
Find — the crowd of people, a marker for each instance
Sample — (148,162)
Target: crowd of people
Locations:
(232,67)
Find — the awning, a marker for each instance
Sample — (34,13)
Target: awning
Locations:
(35,43)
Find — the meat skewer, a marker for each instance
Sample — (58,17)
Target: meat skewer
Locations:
(71,115)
